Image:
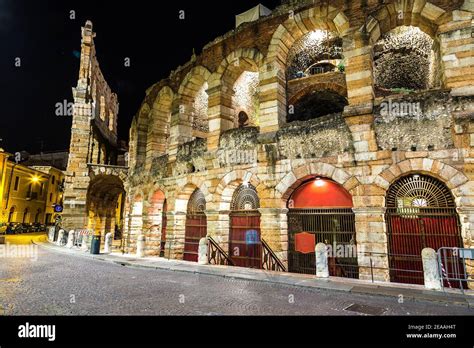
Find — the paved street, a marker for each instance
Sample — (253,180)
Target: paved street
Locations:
(59,284)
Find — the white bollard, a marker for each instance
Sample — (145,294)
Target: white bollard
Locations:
(51,233)
(322,269)
(430,269)
(70,239)
(141,246)
(203,251)
(108,243)
(85,244)
(60,237)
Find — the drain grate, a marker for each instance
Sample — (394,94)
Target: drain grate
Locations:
(365,309)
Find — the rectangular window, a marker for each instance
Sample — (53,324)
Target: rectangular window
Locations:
(17,183)
(51,197)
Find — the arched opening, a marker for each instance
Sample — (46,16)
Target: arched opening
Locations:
(105,196)
(196,225)
(245,100)
(406,59)
(421,213)
(316,52)
(320,211)
(11,214)
(159,130)
(37,215)
(193,105)
(314,104)
(154,218)
(199,114)
(245,248)
(140,136)
(240,93)
(25,216)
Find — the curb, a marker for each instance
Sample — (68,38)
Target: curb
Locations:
(297,281)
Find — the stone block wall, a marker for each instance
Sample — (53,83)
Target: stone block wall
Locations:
(362,149)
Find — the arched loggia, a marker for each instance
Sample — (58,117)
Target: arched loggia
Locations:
(320,211)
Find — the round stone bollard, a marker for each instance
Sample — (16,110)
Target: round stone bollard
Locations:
(60,237)
(430,269)
(141,246)
(85,244)
(203,251)
(322,268)
(70,239)
(108,243)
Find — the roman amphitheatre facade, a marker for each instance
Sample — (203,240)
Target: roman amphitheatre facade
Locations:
(342,122)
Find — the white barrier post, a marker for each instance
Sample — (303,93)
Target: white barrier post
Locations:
(203,251)
(60,237)
(85,240)
(70,239)
(322,269)
(108,243)
(141,246)
(430,269)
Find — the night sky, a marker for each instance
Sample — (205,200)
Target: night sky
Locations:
(47,41)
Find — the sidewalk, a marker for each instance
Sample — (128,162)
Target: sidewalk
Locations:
(409,292)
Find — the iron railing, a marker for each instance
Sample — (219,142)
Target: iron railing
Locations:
(217,255)
(270,261)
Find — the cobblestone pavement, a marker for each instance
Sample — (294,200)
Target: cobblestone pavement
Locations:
(58,284)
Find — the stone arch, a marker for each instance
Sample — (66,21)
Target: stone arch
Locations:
(223,109)
(450,176)
(274,71)
(229,183)
(185,191)
(141,134)
(160,119)
(193,122)
(316,100)
(291,181)
(423,15)
(333,87)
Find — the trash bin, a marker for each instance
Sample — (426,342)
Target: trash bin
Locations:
(95,245)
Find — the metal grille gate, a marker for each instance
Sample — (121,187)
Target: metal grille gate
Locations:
(335,227)
(420,214)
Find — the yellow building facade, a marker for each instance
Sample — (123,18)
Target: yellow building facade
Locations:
(29,194)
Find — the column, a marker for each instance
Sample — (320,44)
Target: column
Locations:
(372,243)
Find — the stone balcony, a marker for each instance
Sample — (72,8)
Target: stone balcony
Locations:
(333,80)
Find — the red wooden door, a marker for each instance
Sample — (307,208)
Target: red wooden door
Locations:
(196,228)
(245,247)
(409,235)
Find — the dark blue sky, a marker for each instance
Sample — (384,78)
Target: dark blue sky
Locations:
(44,37)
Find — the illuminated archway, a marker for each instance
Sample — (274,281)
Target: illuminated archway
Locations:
(405,59)
(320,211)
